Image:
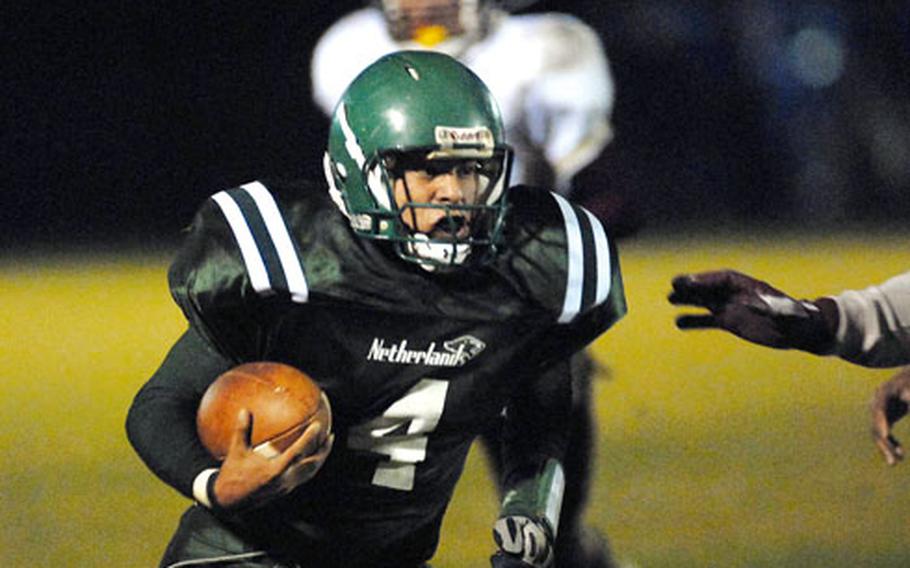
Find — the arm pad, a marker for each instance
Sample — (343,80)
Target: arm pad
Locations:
(538,497)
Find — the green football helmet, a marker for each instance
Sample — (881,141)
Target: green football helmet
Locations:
(413,111)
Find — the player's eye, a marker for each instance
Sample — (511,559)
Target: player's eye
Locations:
(467,168)
(461,168)
(439,167)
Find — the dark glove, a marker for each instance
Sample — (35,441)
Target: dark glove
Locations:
(523,543)
(755,311)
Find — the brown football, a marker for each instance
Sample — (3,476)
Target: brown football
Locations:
(282,400)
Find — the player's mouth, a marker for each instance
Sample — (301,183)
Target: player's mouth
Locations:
(451,227)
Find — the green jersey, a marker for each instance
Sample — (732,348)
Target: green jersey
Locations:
(414,362)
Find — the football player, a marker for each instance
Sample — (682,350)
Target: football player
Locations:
(428,300)
(551,77)
(868,327)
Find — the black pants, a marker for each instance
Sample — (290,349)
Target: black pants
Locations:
(202,539)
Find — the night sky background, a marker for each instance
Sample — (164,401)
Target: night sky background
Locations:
(118,118)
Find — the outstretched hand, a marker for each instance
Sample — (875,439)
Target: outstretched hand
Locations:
(889,405)
(751,309)
(248,478)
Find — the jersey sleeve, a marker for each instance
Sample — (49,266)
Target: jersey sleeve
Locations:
(238,267)
(572,269)
(570,265)
(161,422)
(569,104)
(874,324)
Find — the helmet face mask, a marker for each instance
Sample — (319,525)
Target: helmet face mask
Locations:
(448,208)
(416,157)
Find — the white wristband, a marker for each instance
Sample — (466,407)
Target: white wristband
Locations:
(200,486)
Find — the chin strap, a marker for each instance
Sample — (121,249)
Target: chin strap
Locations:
(437,254)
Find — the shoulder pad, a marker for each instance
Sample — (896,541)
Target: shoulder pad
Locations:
(247,224)
(563,253)
(238,255)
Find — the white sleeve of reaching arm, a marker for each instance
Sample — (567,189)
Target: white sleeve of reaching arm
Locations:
(874,325)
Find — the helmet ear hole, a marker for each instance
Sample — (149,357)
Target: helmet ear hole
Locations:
(391,163)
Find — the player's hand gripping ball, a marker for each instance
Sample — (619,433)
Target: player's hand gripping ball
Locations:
(282,400)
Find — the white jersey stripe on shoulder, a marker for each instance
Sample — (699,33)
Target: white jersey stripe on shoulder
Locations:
(576,260)
(602,251)
(274,222)
(255,266)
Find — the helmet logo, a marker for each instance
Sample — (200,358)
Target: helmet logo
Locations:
(452,137)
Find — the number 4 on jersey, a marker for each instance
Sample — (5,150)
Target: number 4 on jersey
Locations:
(401,433)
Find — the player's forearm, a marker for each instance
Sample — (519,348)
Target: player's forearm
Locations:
(537,496)
(526,530)
(535,428)
(161,423)
(534,439)
(873,327)
(166,441)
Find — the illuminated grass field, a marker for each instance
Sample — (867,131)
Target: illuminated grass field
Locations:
(712,452)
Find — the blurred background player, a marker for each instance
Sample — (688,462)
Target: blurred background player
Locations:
(869,327)
(552,79)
